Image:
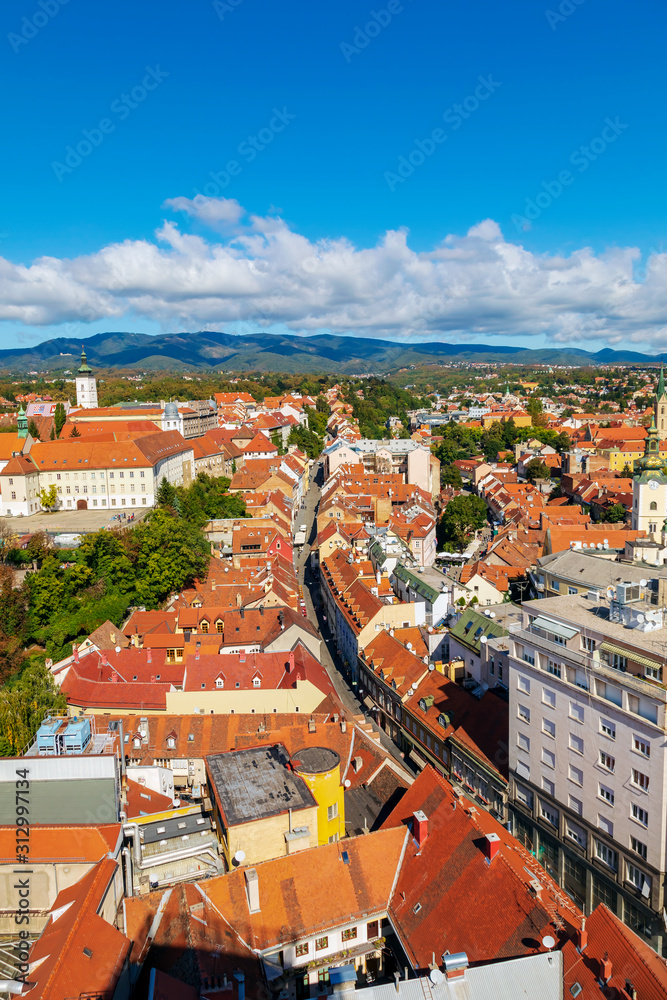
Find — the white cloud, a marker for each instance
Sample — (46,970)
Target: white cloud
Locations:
(261,270)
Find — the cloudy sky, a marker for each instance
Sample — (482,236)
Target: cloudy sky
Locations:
(404,170)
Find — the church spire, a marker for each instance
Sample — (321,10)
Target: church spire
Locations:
(661,382)
(22,423)
(85,368)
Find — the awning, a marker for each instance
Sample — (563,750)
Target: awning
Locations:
(369,703)
(556,628)
(418,760)
(610,647)
(522,769)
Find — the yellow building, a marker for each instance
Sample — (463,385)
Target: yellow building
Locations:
(320,769)
(627,454)
(265,805)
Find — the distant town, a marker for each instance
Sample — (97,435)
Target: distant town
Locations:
(334,685)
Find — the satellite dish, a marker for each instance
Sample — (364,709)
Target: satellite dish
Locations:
(347,782)
(492,614)
(641,619)
(436,977)
(483,639)
(431,666)
(642,583)
(239,857)
(548,941)
(118,649)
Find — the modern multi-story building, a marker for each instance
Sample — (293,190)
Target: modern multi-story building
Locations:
(587,748)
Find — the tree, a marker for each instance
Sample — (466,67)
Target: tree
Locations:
(59,418)
(461,518)
(24,702)
(75,433)
(626,472)
(53,432)
(166,493)
(48,497)
(614,514)
(33,430)
(536,469)
(450,476)
(534,407)
(321,405)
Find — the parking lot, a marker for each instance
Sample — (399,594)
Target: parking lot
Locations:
(67,521)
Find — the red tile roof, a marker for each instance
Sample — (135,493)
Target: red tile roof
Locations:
(142,801)
(50,843)
(78,948)
(632,959)
(448,896)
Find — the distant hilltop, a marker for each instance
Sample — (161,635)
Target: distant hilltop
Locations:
(285,353)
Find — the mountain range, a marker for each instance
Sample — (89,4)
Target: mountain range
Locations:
(270,352)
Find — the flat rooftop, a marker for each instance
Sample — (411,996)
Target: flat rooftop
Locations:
(256,783)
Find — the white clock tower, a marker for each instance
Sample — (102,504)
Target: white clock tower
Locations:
(86,385)
(649,488)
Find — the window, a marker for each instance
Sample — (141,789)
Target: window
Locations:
(605,825)
(639,779)
(641,746)
(548,813)
(638,847)
(171,742)
(523,742)
(523,713)
(549,697)
(576,805)
(606,793)
(372,930)
(524,795)
(523,684)
(607,762)
(603,893)
(653,505)
(301,949)
(619,662)
(576,743)
(219,626)
(332,811)
(576,871)
(256,682)
(572,590)
(553,668)
(636,877)
(204,626)
(219,683)
(349,934)
(608,728)
(321,943)
(606,855)
(575,832)
(639,923)
(588,644)
(653,673)
(548,757)
(529,657)
(641,815)
(576,712)
(549,727)
(548,786)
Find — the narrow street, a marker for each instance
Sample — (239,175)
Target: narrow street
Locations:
(311,594)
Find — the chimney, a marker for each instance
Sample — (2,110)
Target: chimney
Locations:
(242,612)
(290,665)
(419,827)
(312,727)
(455,965)
(152,678)
(238,599)
(252,889)
(343,725)
(75,653)
(149,655)
(605,969)
(582,936)
(491,846)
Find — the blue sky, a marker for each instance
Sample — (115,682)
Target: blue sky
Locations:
(341,110)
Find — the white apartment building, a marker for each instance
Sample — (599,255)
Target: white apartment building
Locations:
(588,753)
(88,473)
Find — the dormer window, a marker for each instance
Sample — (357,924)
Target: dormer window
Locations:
(204,626)
(256,682)
(219,683)
(137,743)
(220,626)
(171,742)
